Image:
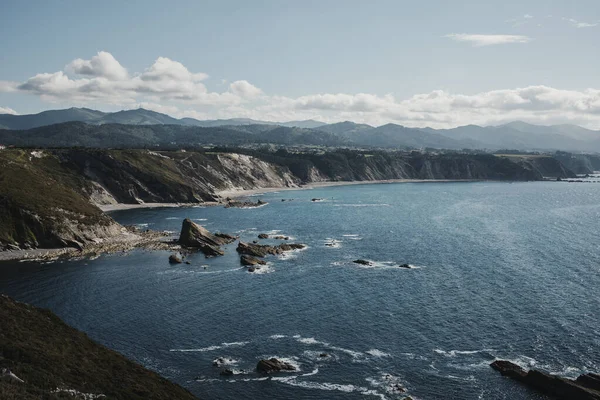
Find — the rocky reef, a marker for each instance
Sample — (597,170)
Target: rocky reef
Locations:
(51,360)
(585,387)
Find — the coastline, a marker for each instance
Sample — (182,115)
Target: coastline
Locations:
(233,193)
(125,242)
(236,193)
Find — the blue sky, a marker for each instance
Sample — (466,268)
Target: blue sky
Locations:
(426,63)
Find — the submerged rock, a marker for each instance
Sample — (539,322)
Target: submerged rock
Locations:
(249,260)
(196,236)
(175,258)
(585,387)
(244,204)
(404,266)
(273,365)
(362,262)
(226,372)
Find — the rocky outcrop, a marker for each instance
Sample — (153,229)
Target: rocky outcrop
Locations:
(244,204)
(263,236)
(362,262)
(251,261)
(585,387)
(273,365)
(261,250)
(175,258)
(196,236)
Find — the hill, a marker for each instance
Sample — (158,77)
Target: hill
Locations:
(56,361)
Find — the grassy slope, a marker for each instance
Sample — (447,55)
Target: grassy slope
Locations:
(48,354)
(37,189)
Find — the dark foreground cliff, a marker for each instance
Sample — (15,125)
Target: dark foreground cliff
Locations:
(50,198)
(48,359)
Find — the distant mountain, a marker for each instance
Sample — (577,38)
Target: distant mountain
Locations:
(517,135)
(526,137)
(344,128)
(50,117)
(308,124)
(79,134)
(569,130)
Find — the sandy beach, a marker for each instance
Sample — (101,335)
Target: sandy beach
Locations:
(236,193)
(315,185)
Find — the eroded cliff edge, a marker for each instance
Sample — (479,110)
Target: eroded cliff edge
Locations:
(50,198)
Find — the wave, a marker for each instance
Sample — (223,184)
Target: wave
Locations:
(277,336)
(377,353)
(311,340)
(340,387)
(211,348)
(454,353)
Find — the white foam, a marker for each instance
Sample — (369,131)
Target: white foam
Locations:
(311,340)
(345,388)
(354,354)
(222,361)
(454,353)
(262,269)
(172,218)
(277,336)
(199,219)
(378,353)
(212,348)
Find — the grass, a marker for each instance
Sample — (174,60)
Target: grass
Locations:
(48,354)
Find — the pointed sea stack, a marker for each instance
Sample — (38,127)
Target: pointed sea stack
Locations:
(196,236)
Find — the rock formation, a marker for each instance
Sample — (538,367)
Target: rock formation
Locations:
(273,365)
(262,250)
(196,236)
(585,387)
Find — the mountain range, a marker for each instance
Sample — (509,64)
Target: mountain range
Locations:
(516,135)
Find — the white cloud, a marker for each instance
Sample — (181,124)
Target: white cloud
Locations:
(528,16)
(479,40)
(7,110)
(245,89)
(578,24)
(103,78)
(101,65)
(168,86)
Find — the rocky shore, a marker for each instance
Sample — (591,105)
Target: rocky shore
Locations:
(585,387)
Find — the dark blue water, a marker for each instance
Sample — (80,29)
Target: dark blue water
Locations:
(506,271)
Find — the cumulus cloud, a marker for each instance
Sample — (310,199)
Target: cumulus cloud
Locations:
(101,65)
(479,40)
(7,110)
(579,24)
(169,87)
(244,89)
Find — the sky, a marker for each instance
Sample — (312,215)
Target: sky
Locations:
(416,63)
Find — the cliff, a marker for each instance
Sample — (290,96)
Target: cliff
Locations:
(41,204)
(49,198)
(55,361)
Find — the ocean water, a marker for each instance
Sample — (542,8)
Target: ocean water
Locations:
(509,271)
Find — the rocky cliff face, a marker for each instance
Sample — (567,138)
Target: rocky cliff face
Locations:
(41,204)
(136,176)
(48,198)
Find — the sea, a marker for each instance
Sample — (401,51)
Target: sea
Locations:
(498,271)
